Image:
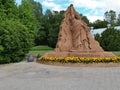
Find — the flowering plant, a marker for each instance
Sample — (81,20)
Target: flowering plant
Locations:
(81,59)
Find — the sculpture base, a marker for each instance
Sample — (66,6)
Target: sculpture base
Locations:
(80,54)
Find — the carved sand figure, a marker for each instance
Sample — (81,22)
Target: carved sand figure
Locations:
(74,34)
(75,39)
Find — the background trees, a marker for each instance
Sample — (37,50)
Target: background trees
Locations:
(118,19)
(109,39)
(99,24)
(110,17)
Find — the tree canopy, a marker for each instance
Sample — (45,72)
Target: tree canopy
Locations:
(109,39)
(18,27)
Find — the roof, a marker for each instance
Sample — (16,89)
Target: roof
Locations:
(100,30)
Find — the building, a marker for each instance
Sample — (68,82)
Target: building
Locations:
(100,30)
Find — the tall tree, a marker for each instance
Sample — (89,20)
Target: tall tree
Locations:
(37,10)
(109,39)
(41,37)
(99,24)
(110,16)
(18,27)
(85,19)
(118,19)
(54,21)
(8,8)
(27,17)
(42,34)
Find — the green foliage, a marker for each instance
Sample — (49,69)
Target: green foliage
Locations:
(85,19)
(27,17)
(1,48)
(18,27)
(15,40)
(110,16)
(109,39)
(53,35)
(55,21)
(118,19)
(99,24)
(37,10)
(117,53)
(41,48)
(48,33)
(40,37)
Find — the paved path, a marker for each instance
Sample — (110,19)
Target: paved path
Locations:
(34,76)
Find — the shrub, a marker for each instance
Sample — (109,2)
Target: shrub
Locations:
(15,41)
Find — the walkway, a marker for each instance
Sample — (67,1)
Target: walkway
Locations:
(34,76)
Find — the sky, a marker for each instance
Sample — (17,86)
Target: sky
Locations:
(93,9)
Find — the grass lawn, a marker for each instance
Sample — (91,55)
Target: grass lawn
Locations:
(116,53)
(44,49)
(39,50)
(35,53)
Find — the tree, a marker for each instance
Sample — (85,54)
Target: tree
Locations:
(41,37)
(37,10)
(8,9)
(110,16)
(48,34)
(53,30)
(18,27)
(98,37)
(99,24)
(15,41)
(109,39)
(42,34)
(85,19)
(118,19)
(28,18)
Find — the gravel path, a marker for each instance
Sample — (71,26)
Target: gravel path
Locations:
(35,76)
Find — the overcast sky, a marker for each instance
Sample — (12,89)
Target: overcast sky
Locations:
(93,9)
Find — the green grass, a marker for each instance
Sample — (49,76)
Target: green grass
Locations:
(116,53)
(41,48)
(35,53)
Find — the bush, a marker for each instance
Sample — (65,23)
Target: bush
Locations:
(15,41)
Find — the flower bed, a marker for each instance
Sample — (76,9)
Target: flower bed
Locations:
(80,59)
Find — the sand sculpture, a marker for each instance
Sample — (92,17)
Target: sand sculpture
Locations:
(75,39)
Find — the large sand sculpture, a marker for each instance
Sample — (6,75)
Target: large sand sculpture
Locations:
(75,39)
